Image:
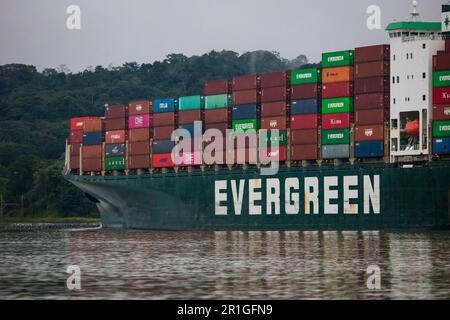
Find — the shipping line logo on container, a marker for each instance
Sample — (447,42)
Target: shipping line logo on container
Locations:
(336,105)
(302,76)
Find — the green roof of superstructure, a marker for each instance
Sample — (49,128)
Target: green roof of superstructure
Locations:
(414,25)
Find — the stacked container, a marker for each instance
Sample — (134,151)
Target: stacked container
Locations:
(274,115)
(441,102)
(116,120)
(304,113)
(140,123)
(91,151)
(164,123)
(76,139)
(371,100)
(337,103)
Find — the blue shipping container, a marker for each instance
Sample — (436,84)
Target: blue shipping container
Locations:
(190,127)
(304,106)
(163,146)
(164,105)
(245,111)
(92,138)
(369,149)
(335,151)
(441,145)
(115,149)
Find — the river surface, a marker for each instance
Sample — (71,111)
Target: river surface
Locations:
(225,265)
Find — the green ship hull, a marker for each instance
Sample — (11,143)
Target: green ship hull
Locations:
(327,197)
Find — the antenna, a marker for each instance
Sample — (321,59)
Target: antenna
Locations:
(414,14)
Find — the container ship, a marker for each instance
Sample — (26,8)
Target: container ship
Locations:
(360,143)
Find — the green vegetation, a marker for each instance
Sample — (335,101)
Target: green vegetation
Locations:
(35,109)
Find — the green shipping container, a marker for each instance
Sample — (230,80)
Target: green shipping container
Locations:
(441,78)
(244,125)
(190,103)
(338,59)
(441,129)
(337,105)
(218,101)
(303,76)
(115,163)
(268,139)
(339,136)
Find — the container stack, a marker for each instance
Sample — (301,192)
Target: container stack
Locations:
(337,103)
(305,113)
(441,102)
(140,122)
(164,123)
(372,70)
(91,151)
(218,102)
(76,140)
(246,112)
(274,105)
(116,120)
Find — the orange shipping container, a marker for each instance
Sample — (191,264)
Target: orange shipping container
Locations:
(92,125)
(340,74)
(92,151)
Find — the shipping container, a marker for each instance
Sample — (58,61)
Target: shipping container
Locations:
(74,162)
(76,136)
(92,125)
(246,111)
(218,101)
(138,148)
(216,87)
(274,79)
(269,138)
(92,164)
(273,94)
(441,95)
(306,136)
(441,129)
(441,78)
(304,76)
(274,109)
(304,152)
(78,123)
(115,149)
(139,161)
(136,108)
(245,97)
(338,59)
(338,136)
(163,160)
(337,90)
(441,112)
(447,45)
(372,101)
(336,151)
(245,125)
(164,105)
(162,146)
(269,123)
(163,133)
(372,69)
(116,136)
(372,53)
(92,138)
(164,119)
(336,121)
(140,121)
(304,121)
(116,111)
(115,124)
(188,159)
(93,151)
(248,155)
(74,149)
(441,62)
(441,145)
(372,85)
(338,74)
(305,91)
(369,149)
(273,154)
(135,135)
(213,157)
(304,106)
(217,115)
(374,116)
(337,105)
(189,116)
(191,102)
(222,127)
(369,132)
(114,163)
(191,127)
(245,82)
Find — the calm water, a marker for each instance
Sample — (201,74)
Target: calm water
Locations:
(224,265)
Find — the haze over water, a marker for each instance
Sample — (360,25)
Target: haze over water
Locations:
(224,265)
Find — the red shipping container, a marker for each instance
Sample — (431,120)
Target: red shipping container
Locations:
(116,136)
(245,97)
(136,108)
(245,82)
(139,161)
(162,160)
(305,91)
(247,155)
(304,121)
(163,133)
(372,69)
(441,95)
(271,153)
(372,53)
(273,109)
(374,116)
(75,162)
(306,136)
(115,124)
(138,148)
(78,123)
(164,119)
(372,85)
(135,135)
(447,46)
(189,116)
(116,111)
(441,62)
(217,115)
(269,123)
(92,164)
(222,127)
(76,136)
(273,94)
(75,149)
(372,101)
(369,133)
(216,87)
(337,90)
(92,125)
(92,151)
(304,152)
(441,112)
(214,157)
(274,79)
(335,121)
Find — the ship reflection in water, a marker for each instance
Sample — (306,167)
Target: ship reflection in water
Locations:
(224,265)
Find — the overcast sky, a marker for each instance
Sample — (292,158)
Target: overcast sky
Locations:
(116,31)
